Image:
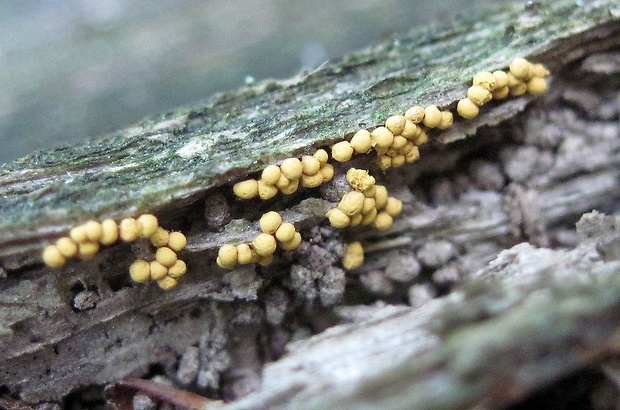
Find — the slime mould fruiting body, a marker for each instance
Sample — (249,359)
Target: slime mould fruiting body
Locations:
(393,144)
(84,241)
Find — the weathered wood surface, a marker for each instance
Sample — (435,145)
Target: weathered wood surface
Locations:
(86,324)
(530,316)
(187,151)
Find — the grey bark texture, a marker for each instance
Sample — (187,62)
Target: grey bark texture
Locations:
(527,172)
(530,316)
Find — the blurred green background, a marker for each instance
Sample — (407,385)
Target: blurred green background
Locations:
(73,70)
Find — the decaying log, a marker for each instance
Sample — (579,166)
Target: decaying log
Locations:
(530,316)
(528,173)
(180,154)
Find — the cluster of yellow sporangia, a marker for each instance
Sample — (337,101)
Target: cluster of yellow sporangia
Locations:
(395,143)
(367,203)
(309,172)
(275,232)
(522,77)
(353,256)
(84,242)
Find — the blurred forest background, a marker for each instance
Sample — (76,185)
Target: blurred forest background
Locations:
(76,69)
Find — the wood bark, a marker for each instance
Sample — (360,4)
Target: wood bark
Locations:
(531,315)
(525,175)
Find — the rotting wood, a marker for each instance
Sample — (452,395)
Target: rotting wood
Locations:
(532,315)
(60,343)
(177,155)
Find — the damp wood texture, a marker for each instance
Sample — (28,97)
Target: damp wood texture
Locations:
(525,169)
(530,316)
